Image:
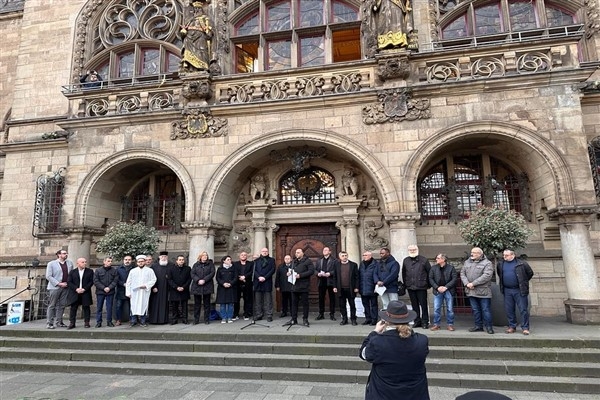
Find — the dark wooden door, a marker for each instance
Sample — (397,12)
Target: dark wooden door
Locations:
(311,238)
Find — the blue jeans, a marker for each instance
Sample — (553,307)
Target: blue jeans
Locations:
(120,306)
(512,298)
(100,297)
(438,300)
(227,311)
(387,297)
(481,307)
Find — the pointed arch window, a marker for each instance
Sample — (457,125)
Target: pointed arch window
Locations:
(309,186)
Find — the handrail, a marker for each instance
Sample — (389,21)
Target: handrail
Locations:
(117,83)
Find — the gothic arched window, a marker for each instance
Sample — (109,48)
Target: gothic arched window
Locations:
(295,33)
(457,185)
(480,18)
(311,185)
(594,152)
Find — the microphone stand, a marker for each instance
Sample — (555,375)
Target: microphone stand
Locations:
(253,321)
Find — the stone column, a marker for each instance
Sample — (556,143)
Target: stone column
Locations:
(583,304)
(351,245)
(80,241)
(259,226)
(402,233)
(202,238)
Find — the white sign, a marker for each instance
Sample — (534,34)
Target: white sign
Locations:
(15,312)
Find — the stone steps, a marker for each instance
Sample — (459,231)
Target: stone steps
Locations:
(461,360)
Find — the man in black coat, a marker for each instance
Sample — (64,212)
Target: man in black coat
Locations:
(346,286)
(262,282)
(158,308)
(179,279)
(443,279)
(302,270)
(244,269)
(514,275)
(326,283)
(415,275)
(283,286)
(80,282)
(105,281)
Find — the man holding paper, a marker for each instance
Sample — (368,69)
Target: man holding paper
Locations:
(386,277)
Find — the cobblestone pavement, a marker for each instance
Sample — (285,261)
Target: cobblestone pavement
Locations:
(58,386)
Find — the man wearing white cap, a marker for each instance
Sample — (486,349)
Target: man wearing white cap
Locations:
(137,288)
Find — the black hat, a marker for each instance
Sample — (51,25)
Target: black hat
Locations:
(397,313)
(163,253)
(482,395)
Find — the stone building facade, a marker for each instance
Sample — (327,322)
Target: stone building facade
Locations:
(353,124)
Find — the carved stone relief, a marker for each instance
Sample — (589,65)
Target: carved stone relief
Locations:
(396,105)
(198,123)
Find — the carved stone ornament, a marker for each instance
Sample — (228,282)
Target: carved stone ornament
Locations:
(197,89)
(396,105)
(396,67)
(593,17)
(372,239)
(7,6)
(198,123)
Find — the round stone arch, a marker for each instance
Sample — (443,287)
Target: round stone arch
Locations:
(232,169)
(539,152)
(89,182)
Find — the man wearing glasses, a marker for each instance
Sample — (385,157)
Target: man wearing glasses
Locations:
(57,272)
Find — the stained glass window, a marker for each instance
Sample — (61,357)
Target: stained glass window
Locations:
(522,15)
(342,12)
(150,62)
(557,17)
(311,13)
(126,65)
(279,54)
(278,17)
(312,51)
(249,26)
(456,29)
(487,20)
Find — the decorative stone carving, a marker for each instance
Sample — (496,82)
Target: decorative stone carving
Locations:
(373,199)
(393,21)
(198,123)
(349,183)
(396,105)
(574,211)
(395,67)
(241,239)
(197,88)
(372,239)
(299,156)
(197,34)
(592,12)
(258,188)
(7,6)
(223,25)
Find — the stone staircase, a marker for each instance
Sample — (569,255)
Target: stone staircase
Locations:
(458,360)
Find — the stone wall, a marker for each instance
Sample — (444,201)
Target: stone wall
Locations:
(10,32)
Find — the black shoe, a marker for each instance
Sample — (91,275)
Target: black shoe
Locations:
(344,321)
(143,324)
(86,325)
(174,322)
(71,326)
(366,322)
(305,322)
(476,329)
(132,324)
(373,323)
(283,315)
(319,317)
(489,330)
(61,325)
(354,323)
(426,325)
(207,322)
(110,325)
(99,324)
(291,322)
(417,324)
(332,317)
(258,319)
(269,319)
(196,322)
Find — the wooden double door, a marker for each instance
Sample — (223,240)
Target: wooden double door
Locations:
(311,238)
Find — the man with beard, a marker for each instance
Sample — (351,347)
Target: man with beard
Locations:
(57,273)
(262,281)
(386,275)
(415,275)
(137,288)
(158,309)
(327,282)
(244,269)
(476,275)
(346,278)
(302,270)
(122,300)
(366,288)
(180,277)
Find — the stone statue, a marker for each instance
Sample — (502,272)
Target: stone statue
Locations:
(393,20)
(349,183)
(373,200)
(197,35)
(258,188)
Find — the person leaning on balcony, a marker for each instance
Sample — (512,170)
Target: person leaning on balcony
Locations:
(397,355)
(91,79)
(513,276)
(477,275)
(443,279)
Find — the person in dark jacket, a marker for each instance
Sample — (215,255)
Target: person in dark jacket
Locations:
(203,286)
(366,288)
(514,275)
(262,281)
(346,286)
(415,275)
(397,355)
(158,308)
(226,289)
(283,286)
(120,298)
(79,283)
(179,279)
(245,269)
(325,269)
(386,275)
(105,281)
(443,279)
(302,270)
(90,80)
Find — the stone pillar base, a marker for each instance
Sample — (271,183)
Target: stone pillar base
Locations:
(583,312)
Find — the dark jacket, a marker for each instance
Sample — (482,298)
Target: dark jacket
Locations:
(326,265)
(353,276)
(226,275)
(398,366)
(106,278)
(86,283)
(415,273)
(524,275)
(387,271)
(305,268)
(281,278)
(203,271)
(244,269)
(265,267)
(450,276)
(123,273)
(366,284)
(179,277)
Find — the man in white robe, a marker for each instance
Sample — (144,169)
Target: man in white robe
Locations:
(137,288)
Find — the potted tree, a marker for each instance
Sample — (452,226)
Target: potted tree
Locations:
(129,238)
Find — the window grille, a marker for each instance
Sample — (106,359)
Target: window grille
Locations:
(48,202)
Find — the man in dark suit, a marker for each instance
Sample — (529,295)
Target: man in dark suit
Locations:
(302,269)
(80,282)
(346,286)
(326,283)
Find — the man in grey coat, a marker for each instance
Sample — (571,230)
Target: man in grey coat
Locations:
(57,272)
(477,275)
